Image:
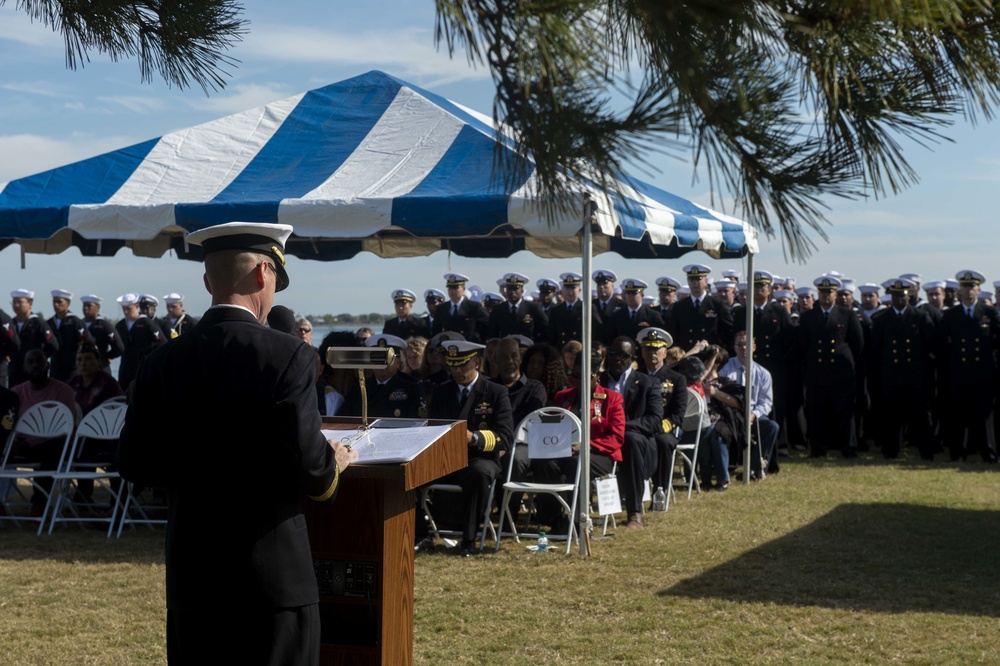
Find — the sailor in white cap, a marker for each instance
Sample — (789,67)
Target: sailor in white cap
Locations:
(934,303)
(242,402)
(518,315)
(667,293)
(100,330)
(726,291)
(732,274)
(33,331)
(491,299)
(548,293)
(806,298)
(69,331)
(405,324)
(432,299)
(785,299)
(566,318)
(147,306)
(458,313)
(632,318)
(831,342)
(902,346)
(486,406)
(390,393)
(870,303)
(176,322)
(139,335)
(702,316)
(950,293)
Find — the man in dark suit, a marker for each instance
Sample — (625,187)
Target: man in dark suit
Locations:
(458,313)
(901,370)
(404,325)
(177,321)
(566,318)
(432,299)
(244,396)
(830,344)
(967,337)
(139,335)
(643,422)
(673,390)
(634,317)
(700,317)
(667,294)
(486,406)
(517,316)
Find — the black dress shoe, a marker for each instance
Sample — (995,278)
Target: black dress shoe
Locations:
(424,545)
(469,551)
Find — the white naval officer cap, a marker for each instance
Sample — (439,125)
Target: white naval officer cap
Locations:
(492,298)
(403,295)
(385,340)
(148,298)
(460,352)
(651,336)
(697,270)
(515,279)
(827,282)
(523,341)
(571,279)
(546,285)
(433,295)
(455,279)
(23,293)
(633,285)
(969,276)
(125,300)
(898,285)
(62,293)
(604,275)
(260,237)
(666,283)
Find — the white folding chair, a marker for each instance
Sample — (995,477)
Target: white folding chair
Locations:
(688,440)
(141,507)
(530,428)
(103,424)
(46,420)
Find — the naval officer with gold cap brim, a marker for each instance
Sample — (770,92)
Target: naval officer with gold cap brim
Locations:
(405,325)
(458,313)
(702,316)
(390,393)
(243,395)
(517,316)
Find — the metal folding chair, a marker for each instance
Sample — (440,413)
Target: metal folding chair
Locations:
(688,440)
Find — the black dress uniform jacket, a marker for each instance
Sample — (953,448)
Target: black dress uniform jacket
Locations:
(471,320)
(712,322)
(397,397)
(487,410)
(244,397)
(527,319)
(35,334)
(407,328)
(144,335)
(621,322)
(10,342)
(183,324)
(104,335)
(69,332)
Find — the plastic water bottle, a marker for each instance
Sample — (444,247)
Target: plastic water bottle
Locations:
(543,543)
(659,500)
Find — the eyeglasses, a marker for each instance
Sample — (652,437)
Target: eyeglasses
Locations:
(305,330)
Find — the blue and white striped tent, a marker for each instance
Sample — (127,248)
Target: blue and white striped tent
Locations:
(368,164)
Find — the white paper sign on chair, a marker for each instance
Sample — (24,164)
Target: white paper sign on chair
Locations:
(609,498)
(550,440)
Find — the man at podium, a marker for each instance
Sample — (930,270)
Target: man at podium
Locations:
(241,587)
(486,406)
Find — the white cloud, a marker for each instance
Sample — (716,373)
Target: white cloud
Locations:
(135,103)
(241,97)
(17,26)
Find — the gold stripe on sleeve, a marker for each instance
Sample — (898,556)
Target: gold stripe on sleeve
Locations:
(332,489)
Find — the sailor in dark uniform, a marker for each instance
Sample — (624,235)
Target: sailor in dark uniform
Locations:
(486,406)
(901,371)
(634,317)
(139,335)
(566,318)
(863,431)
(241,587)
(517,315)
(667,294)
(702,316)
(966,339)
(10,342)
(177,322)
(100,331)
(389,393)
(33,331)
(69,331)
(460,314)
(654,343)
(548,294)
(147,306)
(870,303)
(830,343)
(432,299)
(405,325)
(491,299)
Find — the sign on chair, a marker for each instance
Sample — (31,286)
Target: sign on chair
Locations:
(550,440)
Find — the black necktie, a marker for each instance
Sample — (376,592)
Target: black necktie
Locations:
(631,315)
(513,310)
(968,311)
(826,314)
(697,303)
(464,396)
(603,303)
(454,310)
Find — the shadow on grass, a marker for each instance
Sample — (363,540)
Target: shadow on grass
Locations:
(878,557)
(87,546)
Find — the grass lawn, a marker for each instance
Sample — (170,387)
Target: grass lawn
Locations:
(829,562)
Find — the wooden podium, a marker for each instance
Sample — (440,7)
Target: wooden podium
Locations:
(362,548)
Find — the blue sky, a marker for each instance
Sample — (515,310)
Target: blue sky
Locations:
(51,116)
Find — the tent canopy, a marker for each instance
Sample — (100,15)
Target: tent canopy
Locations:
(371,163)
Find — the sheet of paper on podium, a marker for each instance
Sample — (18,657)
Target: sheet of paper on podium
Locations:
(388,445)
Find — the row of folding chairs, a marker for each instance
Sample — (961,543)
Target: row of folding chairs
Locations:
(112,502)
(547,433)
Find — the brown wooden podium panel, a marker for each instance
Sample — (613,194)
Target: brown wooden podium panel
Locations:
(362,549)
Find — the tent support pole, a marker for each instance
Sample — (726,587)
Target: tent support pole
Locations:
(585,373)
(747,404)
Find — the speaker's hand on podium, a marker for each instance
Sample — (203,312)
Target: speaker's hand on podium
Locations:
(343,454)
